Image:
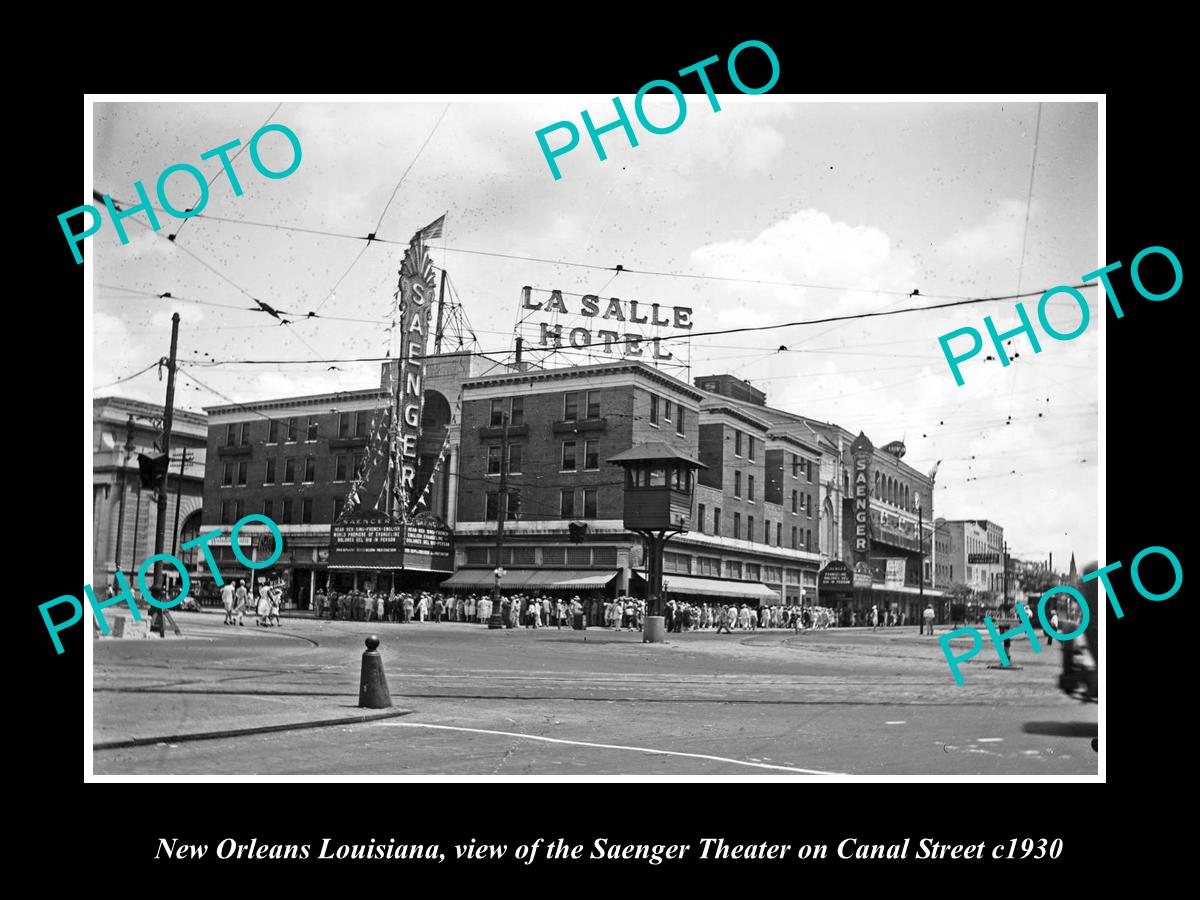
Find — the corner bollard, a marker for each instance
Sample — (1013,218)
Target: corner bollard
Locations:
(372,685)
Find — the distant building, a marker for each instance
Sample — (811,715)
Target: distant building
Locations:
(976,557)
(123,533)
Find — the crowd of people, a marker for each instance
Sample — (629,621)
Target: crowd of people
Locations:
(235,598)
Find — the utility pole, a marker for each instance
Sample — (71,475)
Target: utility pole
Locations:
(921,561)
(161,518)
(501,513)
(437,334)
(124,479)
(1004,561)
(183,461)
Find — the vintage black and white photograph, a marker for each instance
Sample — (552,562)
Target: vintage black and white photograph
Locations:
(530,437)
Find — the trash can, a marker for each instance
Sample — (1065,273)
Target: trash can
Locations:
(579,625)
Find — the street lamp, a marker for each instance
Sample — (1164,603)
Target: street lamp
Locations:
(494,621)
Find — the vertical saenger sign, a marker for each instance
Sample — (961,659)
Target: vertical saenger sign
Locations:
(413,314)
(860,453)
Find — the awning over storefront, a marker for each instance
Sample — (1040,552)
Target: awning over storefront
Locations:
(715,587)
(545,579)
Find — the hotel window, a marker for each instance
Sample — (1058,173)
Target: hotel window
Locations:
(289,471)
(226,512)
(517,415)
(750,486)
(312,428)
(273,431)
(654,410)
(269,478)
(231,434)
(339,467)
(362,420)
(589,503)
(591,456)
(717,520)
(514,459)
(700,517)
(512,507)
(750,528)
(778,534)
(750,449)
(593,404)
(493,461)
(344,425)
(808,539)
(339,503)
(795,466)
(678,419)
(795,538)
(568,456)
(666,410)
(269,509)
(491,506)
(795,500)
(286,519)
(566,504)
(227,475)
(753,572)
(241,474)
(737,484)
(306,511)
(358,464)
(497,417)
(570,406)
(293,430)
(310,469)
(808,506)
(808,470)
(733,568)
(737,443)
(737,526)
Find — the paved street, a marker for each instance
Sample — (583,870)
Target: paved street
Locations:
(552,702)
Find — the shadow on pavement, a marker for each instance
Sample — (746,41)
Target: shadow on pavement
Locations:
(1063,729)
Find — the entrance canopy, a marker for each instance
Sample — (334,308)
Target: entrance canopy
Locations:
(716,587)
(542,579)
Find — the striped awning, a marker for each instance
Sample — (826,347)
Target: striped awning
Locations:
(716,587)
(545,579)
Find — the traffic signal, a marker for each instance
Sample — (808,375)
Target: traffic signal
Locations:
(151,469)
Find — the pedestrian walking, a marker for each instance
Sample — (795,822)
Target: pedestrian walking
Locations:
(240,598)
(927,623)
(275,596)
(227,602)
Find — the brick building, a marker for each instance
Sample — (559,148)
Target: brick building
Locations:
(894,548)
(123,532)
(564,426)
(294,460)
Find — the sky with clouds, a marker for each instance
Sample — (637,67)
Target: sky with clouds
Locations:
(863,202)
